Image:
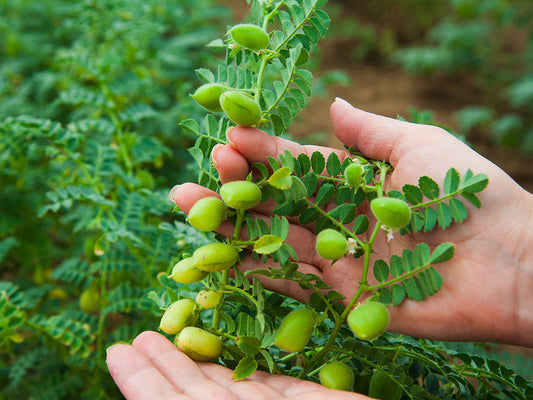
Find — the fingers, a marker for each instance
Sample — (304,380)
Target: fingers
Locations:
(136,377)
(245,389)
(183,373)
(256,145)
(231,164)
(379,137)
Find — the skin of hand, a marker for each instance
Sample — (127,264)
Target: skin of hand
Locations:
(486,295)
(153,368)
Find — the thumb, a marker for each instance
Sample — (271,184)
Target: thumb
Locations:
(382,138)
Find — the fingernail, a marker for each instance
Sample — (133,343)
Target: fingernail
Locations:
(341,100)
(171,193)
(107,350)
(228,135)
(213,154)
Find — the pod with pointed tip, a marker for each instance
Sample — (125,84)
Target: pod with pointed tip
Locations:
(215,257)
(208,96)
(240,107)
(207,214)
(250,36)
(185,272)
(295,330)
(177,316)
(198,344)
(241,195)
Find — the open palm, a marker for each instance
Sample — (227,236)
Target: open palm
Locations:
(153,368)
(488,278)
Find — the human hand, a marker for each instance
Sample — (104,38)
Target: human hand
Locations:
(486,294)
(154,368)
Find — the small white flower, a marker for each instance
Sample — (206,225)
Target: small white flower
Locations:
(352,245)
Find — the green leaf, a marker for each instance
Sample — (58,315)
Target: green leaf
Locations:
(311,182)
(360,224)
(191,126)
(246,367)
(297,190)
(451,181)
(421,254)
(475,184)
(277,124)
(430,216)
(305,75)
(281,179)
(381,270)
(458,210)
(429,187)
(279,227)
(250,345)
(413,289)
(267,244)
(309,216)
(325,194)
(269,360)
(345,213)
(396,267)
(305,163)
(412,194)
(333,165)
(318,162)
(472,199)
(442,253)
(205,75)
(398,294)
(444,216)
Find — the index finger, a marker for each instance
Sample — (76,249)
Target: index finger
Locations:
(256,145)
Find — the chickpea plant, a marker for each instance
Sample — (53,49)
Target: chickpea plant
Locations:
(262,82)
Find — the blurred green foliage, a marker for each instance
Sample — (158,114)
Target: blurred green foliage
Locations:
(91,93)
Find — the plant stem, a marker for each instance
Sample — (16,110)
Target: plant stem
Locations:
(367,248)
(216,312)
(346,231)
(225,273)
(334,332)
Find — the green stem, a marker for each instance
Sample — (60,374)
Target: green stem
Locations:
(399,278)
(435,201)
(367,248)
(334,332)
(238,224)
(241,291)
(260,74)
(467,370)
(269,16)
(294,31)
(216,313)
(346,231)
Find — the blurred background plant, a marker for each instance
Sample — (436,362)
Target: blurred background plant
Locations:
(91,93)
